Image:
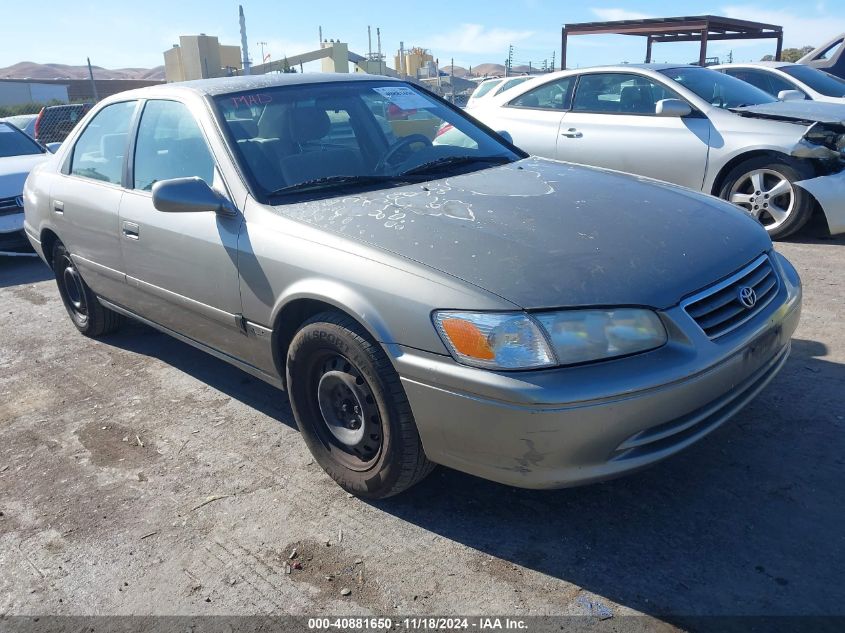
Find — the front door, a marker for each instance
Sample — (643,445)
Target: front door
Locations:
(183,266)
(612,124)
(533,118)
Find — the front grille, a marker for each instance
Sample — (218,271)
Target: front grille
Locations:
(719,309)
(8,206)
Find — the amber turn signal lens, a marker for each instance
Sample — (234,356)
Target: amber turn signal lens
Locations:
(467,339)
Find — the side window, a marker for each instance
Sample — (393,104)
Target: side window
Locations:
(170,145)
(779,83)
(619,93)
(555,95)
(756,78)
(101,148)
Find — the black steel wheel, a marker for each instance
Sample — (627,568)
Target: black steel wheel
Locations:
(85,310)
(351,408)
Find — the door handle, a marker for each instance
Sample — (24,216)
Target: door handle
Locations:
(131,231)
(572,133)
(58,206)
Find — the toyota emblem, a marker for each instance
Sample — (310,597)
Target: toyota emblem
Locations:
(747,297)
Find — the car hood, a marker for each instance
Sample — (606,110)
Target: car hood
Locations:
(817,111)
(13,173)
(542,233)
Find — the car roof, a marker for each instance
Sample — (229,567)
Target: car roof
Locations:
(226,85)
(760,64)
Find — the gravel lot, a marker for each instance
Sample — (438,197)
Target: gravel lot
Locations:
(139,476)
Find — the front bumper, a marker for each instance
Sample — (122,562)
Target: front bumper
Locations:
(13,240)
(829,192)
(569,426)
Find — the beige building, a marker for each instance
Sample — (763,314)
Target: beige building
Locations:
(415,59)
(200,56)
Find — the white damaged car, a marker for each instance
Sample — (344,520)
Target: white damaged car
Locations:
(691,126)
(18,155)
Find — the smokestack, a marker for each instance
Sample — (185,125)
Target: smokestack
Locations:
(378,39)
(369,43)
(244,47)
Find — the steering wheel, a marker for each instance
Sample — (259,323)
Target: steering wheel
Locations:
(402,143)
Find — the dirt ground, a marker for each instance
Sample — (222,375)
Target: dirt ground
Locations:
(140,476)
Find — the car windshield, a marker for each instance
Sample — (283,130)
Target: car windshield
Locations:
(484,88)
(718,89)
(818,80)
(321,136)
(13,142)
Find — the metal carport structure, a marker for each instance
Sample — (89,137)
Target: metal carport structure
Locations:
(701,28)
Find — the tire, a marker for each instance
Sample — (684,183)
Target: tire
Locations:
(87,313)
(750,184)
(351,408)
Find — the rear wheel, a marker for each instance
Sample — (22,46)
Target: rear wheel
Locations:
(87,313)
(351,408)
(765,187)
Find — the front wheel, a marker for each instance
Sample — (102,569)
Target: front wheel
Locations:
(87,313)
(351,408)
(765,187)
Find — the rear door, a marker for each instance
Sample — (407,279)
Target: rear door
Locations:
(86,199)
(533,118)
(612,124)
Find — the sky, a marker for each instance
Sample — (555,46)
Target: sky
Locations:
(120,34)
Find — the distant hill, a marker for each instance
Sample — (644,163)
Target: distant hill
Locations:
(31,70)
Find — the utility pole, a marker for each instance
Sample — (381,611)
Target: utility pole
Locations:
(263,59)
(93,83)
(553,61)
(452,79)
(244,47)
(401,60)
(509,63)
(529,69)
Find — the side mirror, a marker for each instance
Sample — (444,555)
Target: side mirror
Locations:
(505,135)
(53,147)
(790,95)
(189,195)
(672,108)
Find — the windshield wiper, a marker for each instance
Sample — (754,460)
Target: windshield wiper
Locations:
(330,182)
(455,160)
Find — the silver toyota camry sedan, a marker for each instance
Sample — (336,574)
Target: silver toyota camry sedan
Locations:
(424,298)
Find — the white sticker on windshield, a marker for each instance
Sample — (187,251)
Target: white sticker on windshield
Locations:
(404,97)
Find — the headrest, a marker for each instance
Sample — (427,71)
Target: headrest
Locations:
(308,124)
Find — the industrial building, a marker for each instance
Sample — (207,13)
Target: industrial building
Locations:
(415,62)
(18,91)
(14,92)
(199,57)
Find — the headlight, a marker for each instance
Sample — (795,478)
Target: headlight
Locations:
(494,340)
(515,340)
(579,336)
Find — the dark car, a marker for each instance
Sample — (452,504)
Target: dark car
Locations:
(54,123)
